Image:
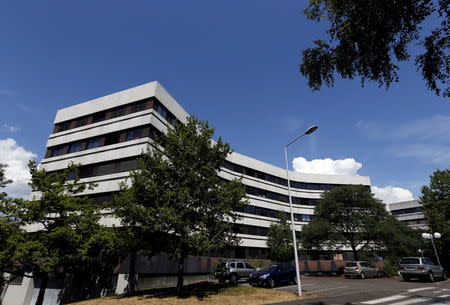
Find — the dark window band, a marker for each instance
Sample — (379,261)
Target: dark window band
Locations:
(149,103)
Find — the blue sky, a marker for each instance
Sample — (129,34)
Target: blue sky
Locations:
(233,63)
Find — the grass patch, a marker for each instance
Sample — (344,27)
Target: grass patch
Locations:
(204,293)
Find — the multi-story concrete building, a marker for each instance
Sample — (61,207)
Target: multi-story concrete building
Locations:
(106,136)
(409,212)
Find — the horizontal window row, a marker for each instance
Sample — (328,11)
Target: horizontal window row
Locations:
(103,140)
(250,209)
(407,211)
(149,103)
(277,180)
(279,197)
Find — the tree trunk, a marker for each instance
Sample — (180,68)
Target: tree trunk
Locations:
(40,298)
(180,275)
(67,289)
(132,274)
(355,253)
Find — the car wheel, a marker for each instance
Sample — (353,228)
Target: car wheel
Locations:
(406,279)
(362,276)
(234,279)
(271,283)
(430,277)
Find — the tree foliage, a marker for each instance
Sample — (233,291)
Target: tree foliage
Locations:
(279,240)
(368,38)
(436,206)
(177,193)
(11,235)
(64,229)
(346,216)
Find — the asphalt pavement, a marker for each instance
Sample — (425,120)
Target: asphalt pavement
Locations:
(383,291)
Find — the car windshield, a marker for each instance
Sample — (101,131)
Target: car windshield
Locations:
(268,267)
(410,261)
(351,264)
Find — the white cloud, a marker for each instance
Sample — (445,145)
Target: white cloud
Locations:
(16,157)
(329,166)
(11,128)
(391,194)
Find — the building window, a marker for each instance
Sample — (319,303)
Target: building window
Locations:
(74,147)
(118,112)
(93,143)
(58,151)
(98,117)
(134,134)
(112,138)
(139,106)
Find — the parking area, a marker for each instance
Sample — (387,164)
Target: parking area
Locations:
(379,291)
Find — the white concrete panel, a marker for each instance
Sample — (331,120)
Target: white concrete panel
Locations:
(107,102)
(96,155)
(135,121)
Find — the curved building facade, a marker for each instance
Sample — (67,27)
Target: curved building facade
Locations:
(106,135)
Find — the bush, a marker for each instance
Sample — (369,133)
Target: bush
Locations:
(390,268)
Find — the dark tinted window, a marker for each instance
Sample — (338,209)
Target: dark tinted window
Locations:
(249,266)
(118,112)
(240,265)
(351,264)
(74,147)
(98,117)
(112,138)
(93,143)
(409,261)
(233,265)
(58,151)
(427,261)
(134,134)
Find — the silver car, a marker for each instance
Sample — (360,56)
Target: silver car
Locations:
(233,271)
(361,269)
(420,267)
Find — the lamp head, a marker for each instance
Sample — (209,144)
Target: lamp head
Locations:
(311,129)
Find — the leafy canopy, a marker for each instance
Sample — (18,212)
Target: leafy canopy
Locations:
(367,38)
(177,193)
(279,240)
(346,216)
(436,207)
(64,228)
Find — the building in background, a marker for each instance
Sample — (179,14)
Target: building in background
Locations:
(409,212)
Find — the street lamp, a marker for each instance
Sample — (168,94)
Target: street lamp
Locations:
(297,270)
(434,236)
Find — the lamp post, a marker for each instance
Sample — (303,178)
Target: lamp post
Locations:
(297,269)
(434,236)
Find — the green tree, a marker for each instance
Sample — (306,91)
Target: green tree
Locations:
(64,230)
(279,240)
(11,235)
(436,207)
(367,39)
(346,216)
(177,193)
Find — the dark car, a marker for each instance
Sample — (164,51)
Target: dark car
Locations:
(273,275)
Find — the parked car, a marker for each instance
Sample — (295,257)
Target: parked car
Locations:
(361,269)
(420,267)
(273,274)
(233,271)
